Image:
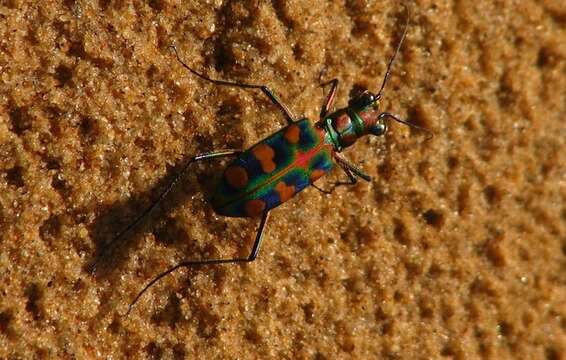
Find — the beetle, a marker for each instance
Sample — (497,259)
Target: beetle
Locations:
(278,167)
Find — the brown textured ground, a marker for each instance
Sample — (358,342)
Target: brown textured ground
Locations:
(457,248)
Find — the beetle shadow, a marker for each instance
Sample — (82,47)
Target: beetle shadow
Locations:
(112,248)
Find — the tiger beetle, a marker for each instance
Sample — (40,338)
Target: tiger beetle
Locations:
(278,167)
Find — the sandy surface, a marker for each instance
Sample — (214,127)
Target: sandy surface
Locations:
(456,249)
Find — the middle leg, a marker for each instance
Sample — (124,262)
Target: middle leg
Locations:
(289,116)
(352,172)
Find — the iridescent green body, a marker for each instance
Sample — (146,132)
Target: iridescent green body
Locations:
(346,125)
(285,163)
(273,171)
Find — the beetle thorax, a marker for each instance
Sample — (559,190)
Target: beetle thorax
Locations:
(345,126)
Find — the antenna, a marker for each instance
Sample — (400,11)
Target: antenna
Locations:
(388,71)
(430,134)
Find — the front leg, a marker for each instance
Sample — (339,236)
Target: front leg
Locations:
(330,98)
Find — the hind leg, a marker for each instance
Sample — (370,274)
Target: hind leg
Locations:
(162,195)
(189,263)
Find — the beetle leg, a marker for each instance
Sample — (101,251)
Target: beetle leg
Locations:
(352,180)
(345,163)
(351,170)
(327,192)
(289,116)
(329,98)
(253,254)
(258,238)
(162,195)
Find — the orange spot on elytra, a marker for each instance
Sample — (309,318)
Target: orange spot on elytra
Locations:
(236,176)
(285,192)
(254,208)
(292,134)
(317,173)
(265,154)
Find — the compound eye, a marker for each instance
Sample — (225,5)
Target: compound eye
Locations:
(378,129)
